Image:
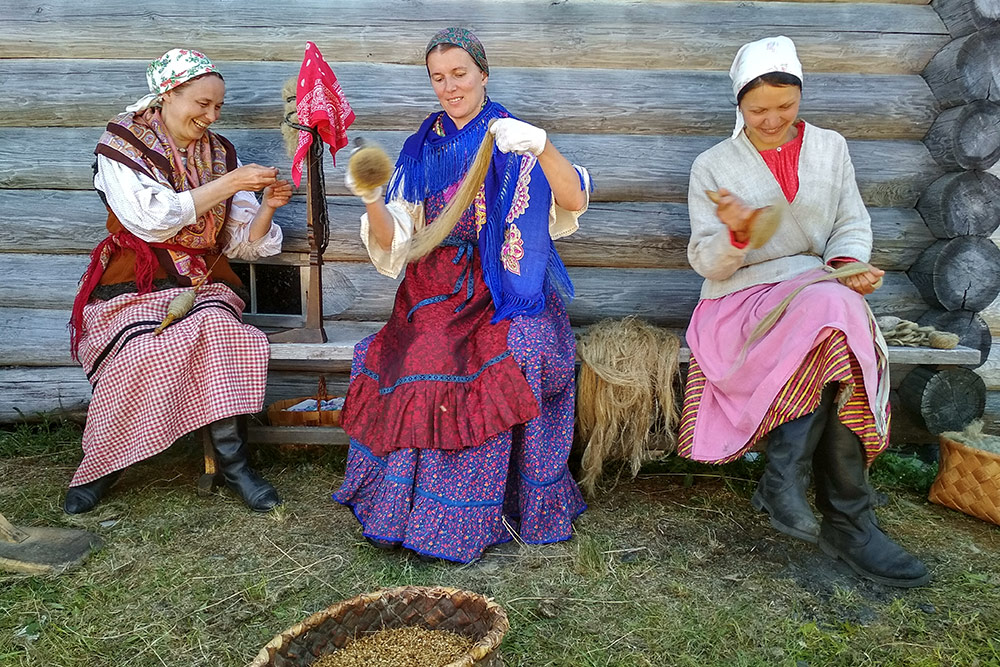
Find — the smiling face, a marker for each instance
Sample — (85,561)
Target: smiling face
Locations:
(458,82)
(770,113)
(190,108)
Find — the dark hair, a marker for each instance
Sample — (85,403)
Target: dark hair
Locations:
(771,79)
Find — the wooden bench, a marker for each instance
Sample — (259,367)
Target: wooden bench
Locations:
(335,356)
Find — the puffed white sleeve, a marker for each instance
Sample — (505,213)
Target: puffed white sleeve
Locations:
(562,222)
(151,211)
(241,214)
(405,217)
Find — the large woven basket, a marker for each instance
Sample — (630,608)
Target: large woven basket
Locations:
(968,480)
(433,608)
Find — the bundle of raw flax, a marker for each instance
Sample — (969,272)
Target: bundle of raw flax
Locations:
(625,404)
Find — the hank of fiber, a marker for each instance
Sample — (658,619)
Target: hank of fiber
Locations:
(370,166)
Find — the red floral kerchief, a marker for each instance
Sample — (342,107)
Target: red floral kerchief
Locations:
(319,103)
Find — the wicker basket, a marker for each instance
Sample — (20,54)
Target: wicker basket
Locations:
(434,608)
(278,415)
(968,480)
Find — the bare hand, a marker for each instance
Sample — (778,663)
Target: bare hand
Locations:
(734,214)
(864,283)
(253,177)
(278,194)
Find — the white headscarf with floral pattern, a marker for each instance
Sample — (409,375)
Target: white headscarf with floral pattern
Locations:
(170,70)
(771,54)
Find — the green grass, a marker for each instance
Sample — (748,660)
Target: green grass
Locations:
(673,568)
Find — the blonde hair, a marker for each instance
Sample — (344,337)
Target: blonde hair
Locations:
(431,236)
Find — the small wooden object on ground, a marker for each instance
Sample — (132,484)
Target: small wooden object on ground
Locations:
(433,608)
(43,550)
(968,480)
(279,415)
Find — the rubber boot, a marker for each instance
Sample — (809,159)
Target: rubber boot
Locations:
(83,498)
(848,531)
(781,491)
(229,442)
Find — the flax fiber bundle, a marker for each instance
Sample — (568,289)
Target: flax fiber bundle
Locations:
(431,236)
(370,166)
(625,403)
(289,133)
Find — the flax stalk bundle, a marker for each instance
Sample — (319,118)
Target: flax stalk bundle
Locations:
(625,403)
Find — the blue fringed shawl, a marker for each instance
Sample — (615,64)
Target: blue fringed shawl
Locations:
(518,257)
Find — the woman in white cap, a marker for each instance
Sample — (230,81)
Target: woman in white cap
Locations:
(816,384)
(179,204)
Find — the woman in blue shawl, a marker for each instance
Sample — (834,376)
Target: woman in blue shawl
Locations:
(460,410)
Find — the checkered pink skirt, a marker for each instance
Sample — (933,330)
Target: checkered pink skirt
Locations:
(150,390)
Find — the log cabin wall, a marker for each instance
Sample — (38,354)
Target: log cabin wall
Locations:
(632,90)
(957,275)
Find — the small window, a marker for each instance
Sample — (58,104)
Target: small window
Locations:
(277,293)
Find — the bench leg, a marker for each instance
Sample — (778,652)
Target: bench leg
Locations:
(209,479)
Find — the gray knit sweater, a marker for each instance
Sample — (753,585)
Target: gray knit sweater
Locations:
(826,220)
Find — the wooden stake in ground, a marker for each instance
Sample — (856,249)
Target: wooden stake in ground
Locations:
(43,550)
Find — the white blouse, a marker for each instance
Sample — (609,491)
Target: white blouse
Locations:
(408,217)
(155,213)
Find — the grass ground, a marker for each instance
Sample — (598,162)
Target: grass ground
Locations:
(673,568)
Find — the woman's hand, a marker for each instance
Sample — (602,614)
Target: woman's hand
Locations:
(734,214)
(863,283)
(516,136)
(252,177)
(278,194)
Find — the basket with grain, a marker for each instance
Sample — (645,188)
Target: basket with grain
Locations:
(278,413)
(968,479)
(434,608)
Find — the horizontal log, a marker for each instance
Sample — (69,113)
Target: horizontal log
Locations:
(967,69)
(82,93)
(355,291)
(966,137)
(851,37)
(619,234)
(946,399)
(29,393)
(967,16)
(958,274)
(990,369)
(624,167)
(964,203)
(991,315)
(33,393)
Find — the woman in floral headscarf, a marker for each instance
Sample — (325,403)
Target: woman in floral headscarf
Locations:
(179,204)
(460,410)
(816,384)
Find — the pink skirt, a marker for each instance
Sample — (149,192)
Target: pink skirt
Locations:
(825,335)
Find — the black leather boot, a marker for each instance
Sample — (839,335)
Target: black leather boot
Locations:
(848,531)
(781,491)
(83,498)
(229,442)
